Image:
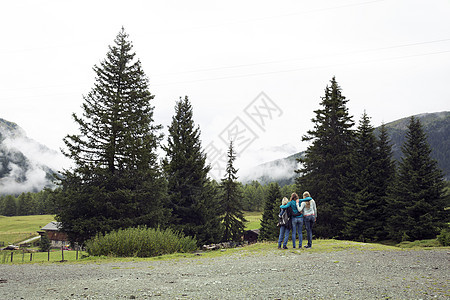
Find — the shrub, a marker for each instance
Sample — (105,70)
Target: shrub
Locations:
(140,242)
(444,237)
(44,244)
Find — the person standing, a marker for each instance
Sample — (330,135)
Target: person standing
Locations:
(309,210)
(297,219)
(284,228)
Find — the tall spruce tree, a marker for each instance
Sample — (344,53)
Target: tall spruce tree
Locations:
(269,229)
(323,170)
(116,181)
(192,197)
(416,207)
(230,204)
(384,181)
(364,210)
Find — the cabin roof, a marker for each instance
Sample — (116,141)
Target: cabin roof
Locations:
(52,226)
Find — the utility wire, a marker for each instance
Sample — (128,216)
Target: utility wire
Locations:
(302,69)
(306,58)
(266,63)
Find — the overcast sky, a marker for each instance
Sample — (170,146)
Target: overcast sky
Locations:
(254,68)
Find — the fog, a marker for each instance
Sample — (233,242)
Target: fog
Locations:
(26,165)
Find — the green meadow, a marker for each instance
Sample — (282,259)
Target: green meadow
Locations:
(19,228)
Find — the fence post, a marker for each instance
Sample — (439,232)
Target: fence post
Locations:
(23,255)
(62,253)
(48,255)
(12,254)
(31,256)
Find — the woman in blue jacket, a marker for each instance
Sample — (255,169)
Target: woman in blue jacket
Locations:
(297,219)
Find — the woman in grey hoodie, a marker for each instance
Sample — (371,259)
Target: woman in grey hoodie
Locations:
(309,216)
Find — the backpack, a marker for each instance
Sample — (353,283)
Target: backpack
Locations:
(283,218)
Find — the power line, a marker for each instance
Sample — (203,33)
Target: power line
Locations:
(272,72)
(302,69)
(301,59)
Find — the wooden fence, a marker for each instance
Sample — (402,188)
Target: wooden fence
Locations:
(22,256)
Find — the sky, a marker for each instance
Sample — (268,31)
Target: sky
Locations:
(254,71)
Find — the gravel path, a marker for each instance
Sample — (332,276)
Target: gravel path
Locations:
(277,274)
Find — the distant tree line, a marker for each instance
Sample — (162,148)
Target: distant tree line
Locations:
(252,199)
(41,203)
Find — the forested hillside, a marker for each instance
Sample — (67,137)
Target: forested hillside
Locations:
(436,126)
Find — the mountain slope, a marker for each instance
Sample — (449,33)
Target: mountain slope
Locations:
(436,126)
(25,165)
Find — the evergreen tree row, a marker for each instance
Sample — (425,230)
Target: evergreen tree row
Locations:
(41,203)
(360,192)
(117,180)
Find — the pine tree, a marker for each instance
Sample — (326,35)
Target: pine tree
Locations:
(385,178)
(364,209)
(9,205)
(231,207)
(24,204)
(192,197)
(324,168)
(116,181)
(416,207)
(269,229)
(44,244)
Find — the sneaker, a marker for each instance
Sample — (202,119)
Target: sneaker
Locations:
(307,247)
(284,247)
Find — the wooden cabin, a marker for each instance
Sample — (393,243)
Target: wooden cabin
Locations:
(57,238)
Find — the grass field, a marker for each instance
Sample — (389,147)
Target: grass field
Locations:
(253,218)
(16,229)
(320,246)
(19,228)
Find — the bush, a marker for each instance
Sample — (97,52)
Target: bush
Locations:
(140,242)
(419,243)
(44,244)
(444,237)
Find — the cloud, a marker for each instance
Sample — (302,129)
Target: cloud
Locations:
(26,164)
(37,153)
(35,180)
(274,168)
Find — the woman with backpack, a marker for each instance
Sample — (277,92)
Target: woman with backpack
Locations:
(285,224)
(297,218)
